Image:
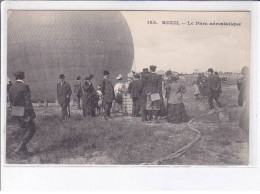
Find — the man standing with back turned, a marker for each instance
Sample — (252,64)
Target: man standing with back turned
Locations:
(63,96)
(143,97)
(214,88)
(153,88)
(22,110)
(135,90)
(107,90)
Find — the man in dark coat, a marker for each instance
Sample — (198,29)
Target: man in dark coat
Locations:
(107,90)
(20,96)
(143,98)
(78,90)
(63,96)
(88,97)
(214,88)
(153,85)
(135,90)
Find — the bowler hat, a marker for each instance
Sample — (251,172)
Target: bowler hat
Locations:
(153,67)
(145,69)
(78,78)
(210,70)
(19,75)
(106,73)
(62,76)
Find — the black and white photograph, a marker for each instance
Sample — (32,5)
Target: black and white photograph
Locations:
(127,88)
(129,95)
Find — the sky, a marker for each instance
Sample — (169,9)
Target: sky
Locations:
(184,48)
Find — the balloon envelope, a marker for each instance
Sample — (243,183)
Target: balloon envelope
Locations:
(44,44)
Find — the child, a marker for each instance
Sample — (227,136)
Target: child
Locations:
(196,90)
(100,97)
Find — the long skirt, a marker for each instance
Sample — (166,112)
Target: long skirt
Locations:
(176,113)
(88,101)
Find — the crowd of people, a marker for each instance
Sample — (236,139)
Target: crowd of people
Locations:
(147,89)
(208,87)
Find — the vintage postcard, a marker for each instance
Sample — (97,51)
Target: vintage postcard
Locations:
(129,95)
(127,87)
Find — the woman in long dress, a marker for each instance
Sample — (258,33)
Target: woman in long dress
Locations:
(119,89)
(175,107)
(88,98)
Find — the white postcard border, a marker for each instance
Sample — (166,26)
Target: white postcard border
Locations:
(130,177)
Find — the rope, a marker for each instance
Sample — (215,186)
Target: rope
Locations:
(186,147)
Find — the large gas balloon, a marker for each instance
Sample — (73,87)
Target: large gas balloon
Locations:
(44,44)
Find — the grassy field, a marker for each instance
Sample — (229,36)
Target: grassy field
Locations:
(127,141)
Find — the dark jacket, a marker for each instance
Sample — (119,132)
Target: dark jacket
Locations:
(89,94)
(135,88)
(214,83)
(152,83)
(20,95)
(63,91)
(78,89)
(107,90)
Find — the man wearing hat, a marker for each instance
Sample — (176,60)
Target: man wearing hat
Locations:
(143,97)
(63,96)
(135,90)
(107,90)
(88,97)
(152,87)
(214,88)
(78,90)
(20,98)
